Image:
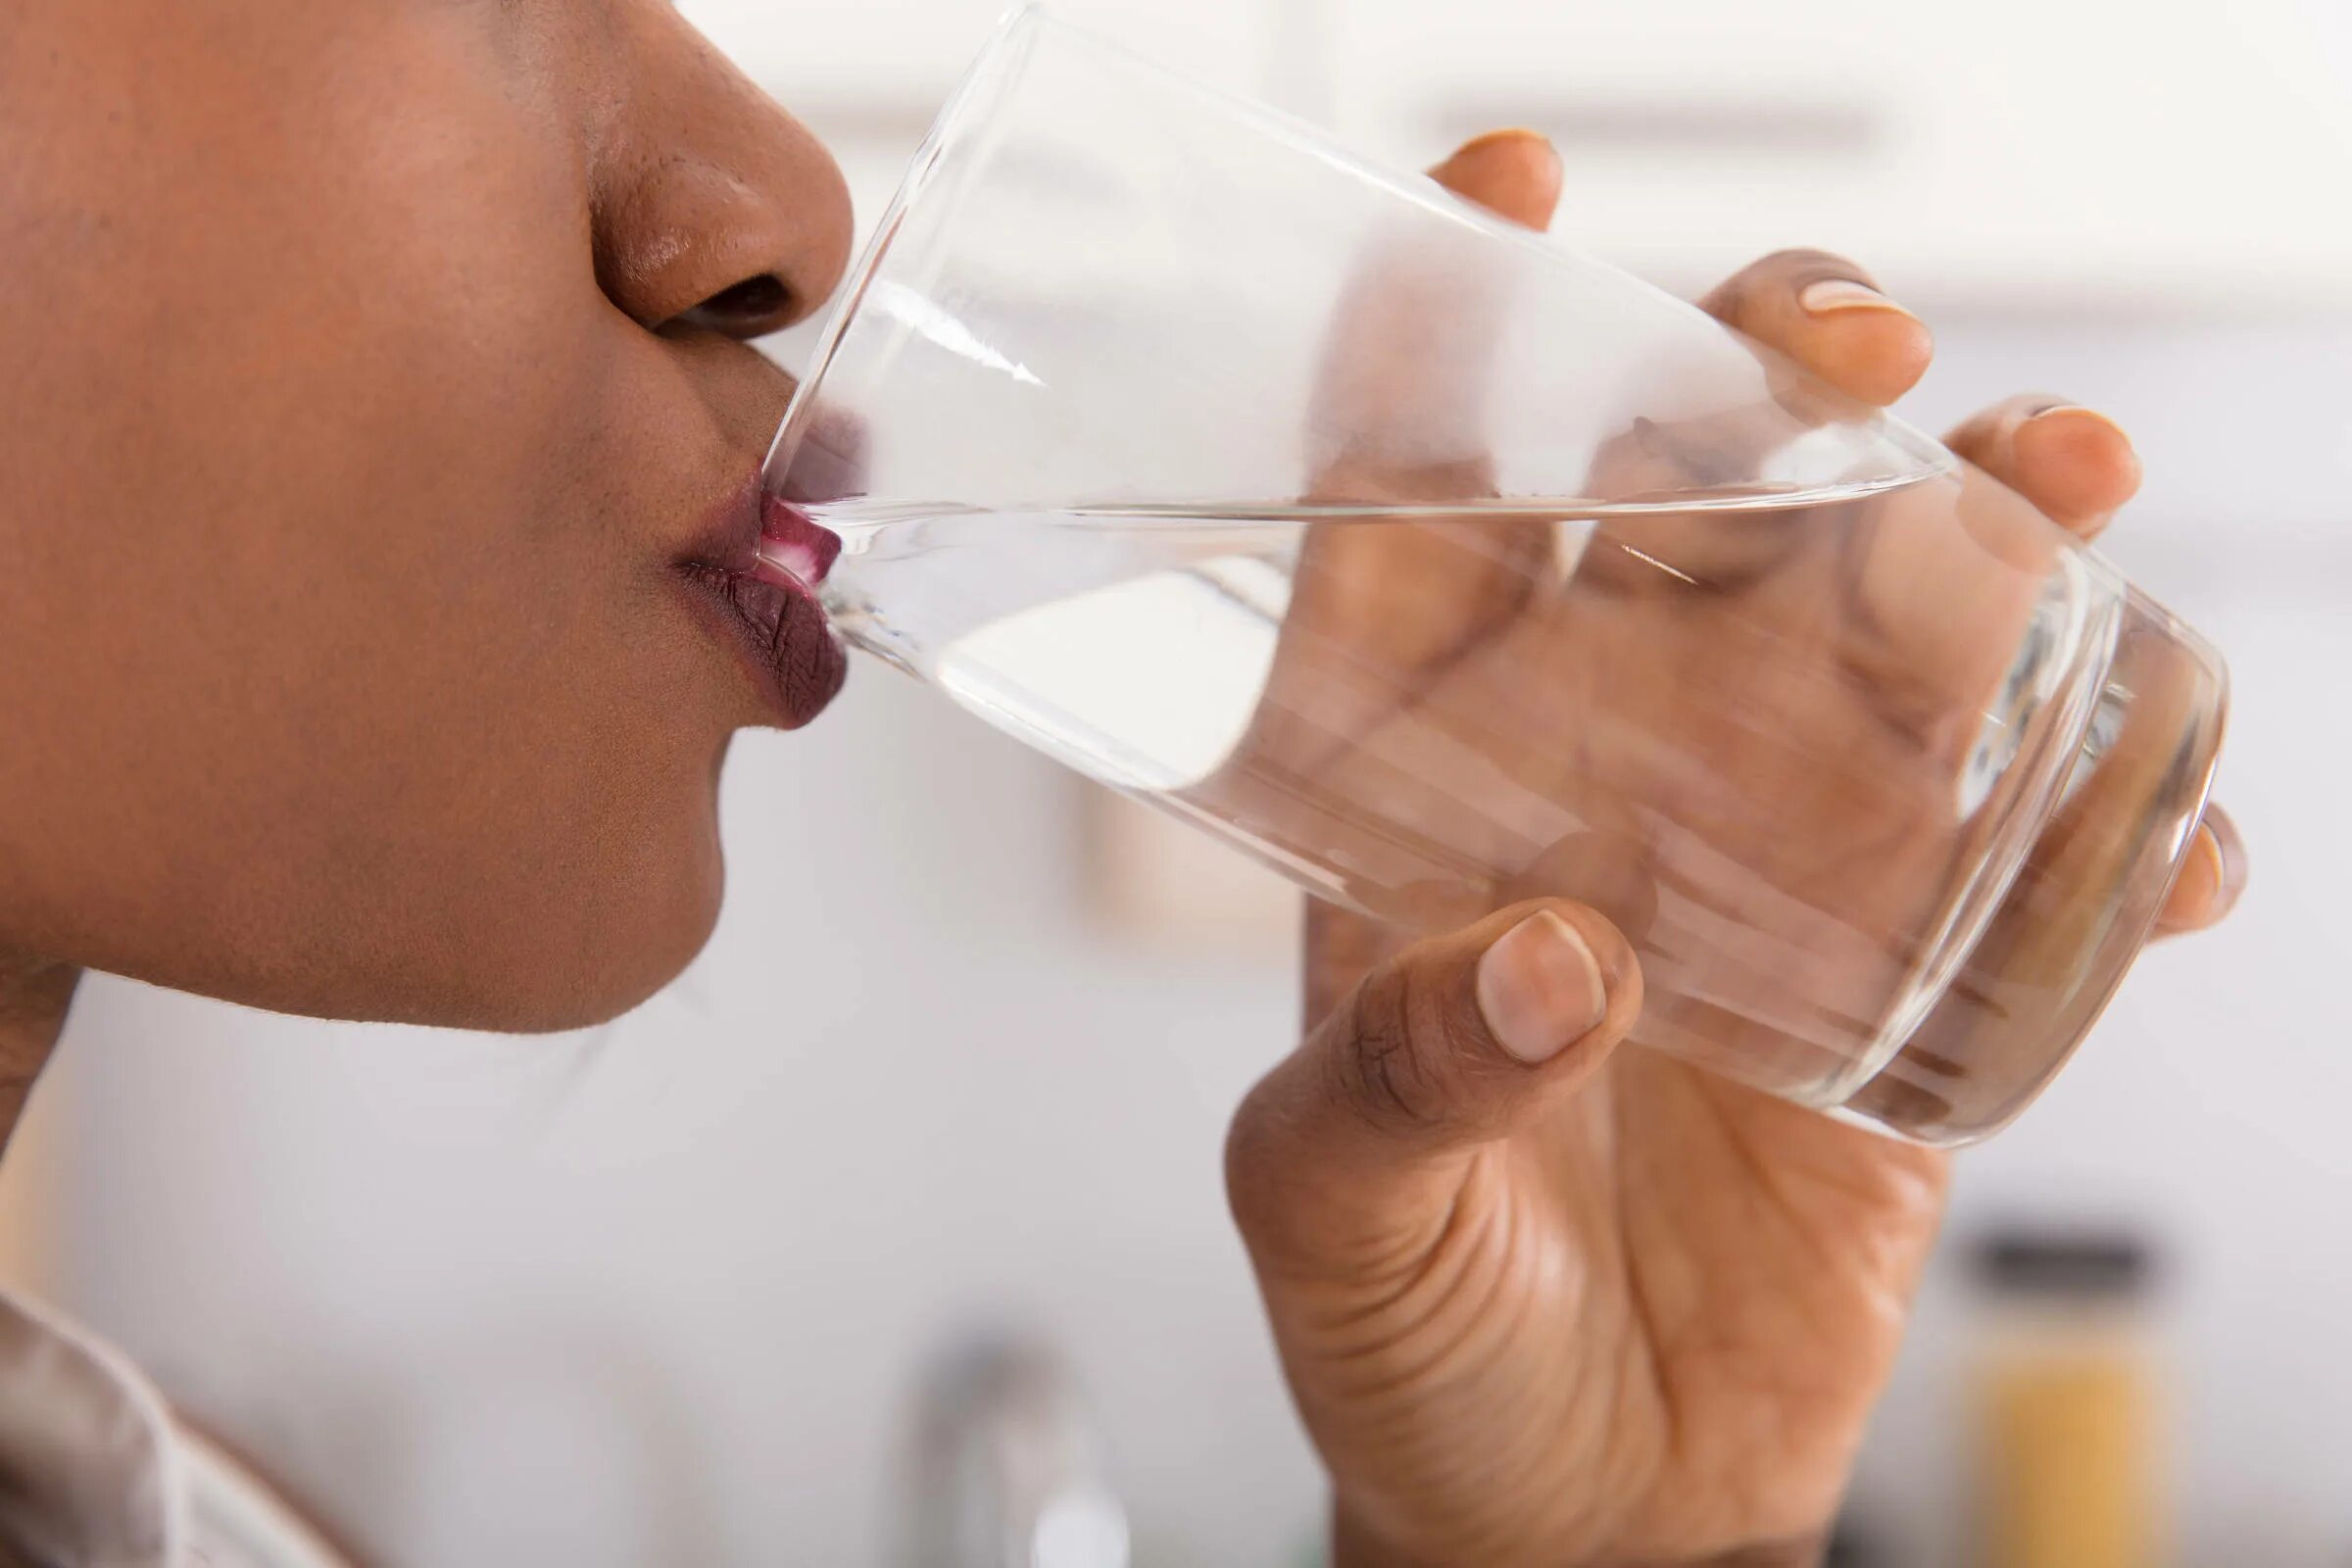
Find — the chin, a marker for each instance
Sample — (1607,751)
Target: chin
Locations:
(559,955)
(560,937)
(603,968)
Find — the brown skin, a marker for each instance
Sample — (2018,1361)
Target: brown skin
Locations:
(1600,1311)
(370,367)
(365,388)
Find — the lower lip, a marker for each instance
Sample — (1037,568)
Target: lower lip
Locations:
(794,657)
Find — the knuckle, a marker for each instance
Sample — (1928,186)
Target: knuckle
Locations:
(1407,1049)
(1379,1075)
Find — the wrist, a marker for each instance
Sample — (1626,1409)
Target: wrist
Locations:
(1354,1544)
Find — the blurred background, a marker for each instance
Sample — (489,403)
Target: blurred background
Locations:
(696,1289)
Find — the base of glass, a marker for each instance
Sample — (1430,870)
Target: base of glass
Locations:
(2083,904)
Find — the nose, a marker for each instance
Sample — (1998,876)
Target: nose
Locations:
(712,207)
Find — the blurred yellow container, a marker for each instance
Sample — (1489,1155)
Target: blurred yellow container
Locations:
(2067,1402)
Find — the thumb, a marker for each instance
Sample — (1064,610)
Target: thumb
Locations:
(1452,1045)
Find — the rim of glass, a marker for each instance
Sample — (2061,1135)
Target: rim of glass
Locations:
(1004,53)
(1009,51)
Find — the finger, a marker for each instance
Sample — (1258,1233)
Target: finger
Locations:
(2073,463)
(1398,422)
(1400,397)
(1825,312)
(2211,878)
(1513,173)
(1398,402)
(1950,623)
(1452,1045)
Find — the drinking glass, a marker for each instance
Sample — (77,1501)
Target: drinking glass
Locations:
(1438,568)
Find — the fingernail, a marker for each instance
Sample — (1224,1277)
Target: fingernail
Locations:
(1470,155)
(2231,850)
(2072,410)
(2213,873)
(1539,988)
(1830,296)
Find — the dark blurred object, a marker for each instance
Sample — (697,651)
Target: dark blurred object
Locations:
(2082,1265)
(1853,1545)
(2066,1401)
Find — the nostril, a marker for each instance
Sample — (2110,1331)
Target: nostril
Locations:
(744,309)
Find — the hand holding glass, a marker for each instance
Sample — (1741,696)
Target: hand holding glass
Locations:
(1441,568)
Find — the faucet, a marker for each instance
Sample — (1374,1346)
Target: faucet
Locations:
(1008,1467)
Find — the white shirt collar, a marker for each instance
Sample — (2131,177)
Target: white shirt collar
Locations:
(89,1473)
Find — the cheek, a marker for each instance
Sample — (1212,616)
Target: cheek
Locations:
(369,699)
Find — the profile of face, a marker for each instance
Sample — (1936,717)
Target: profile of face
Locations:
(379,454)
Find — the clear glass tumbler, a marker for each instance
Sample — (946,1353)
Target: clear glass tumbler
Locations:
(1439,567)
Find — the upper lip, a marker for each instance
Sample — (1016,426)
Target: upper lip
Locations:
(828,463)
(771,617)
(729,540)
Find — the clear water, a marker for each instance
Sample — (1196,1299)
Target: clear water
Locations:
(1795,746)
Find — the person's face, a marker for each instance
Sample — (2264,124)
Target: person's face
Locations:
(373,386)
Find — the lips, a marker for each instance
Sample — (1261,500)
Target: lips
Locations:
(793,540)
(768,609)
